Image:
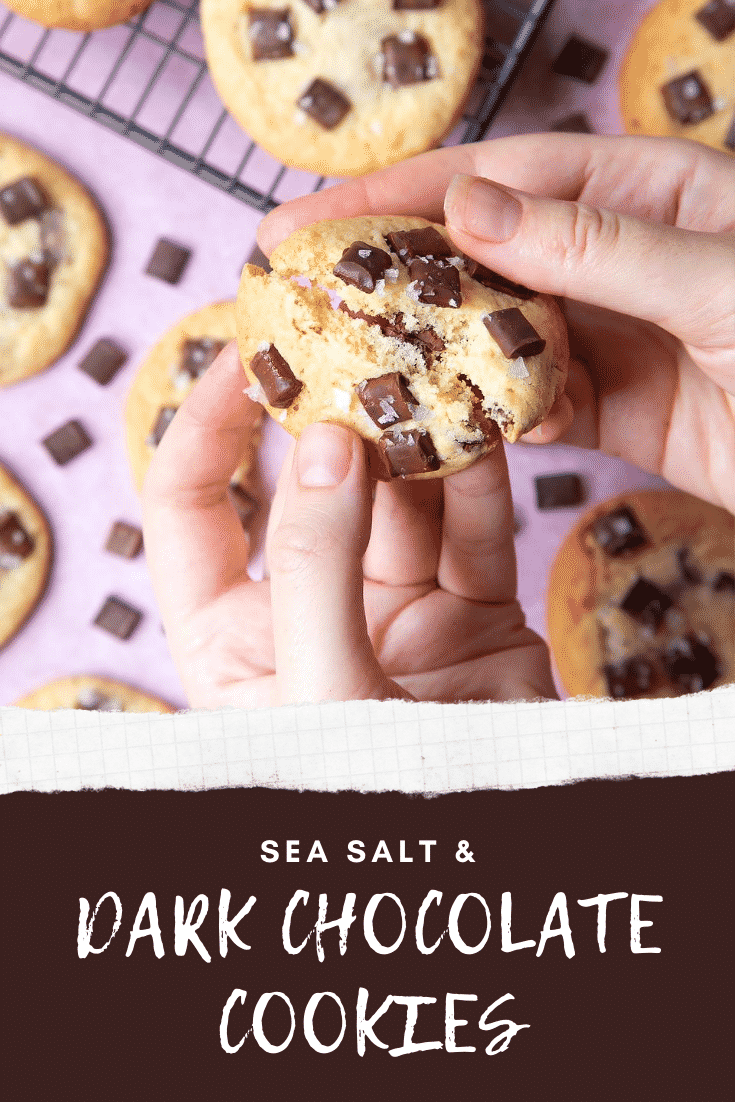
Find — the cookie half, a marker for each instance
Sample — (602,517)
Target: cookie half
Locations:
(678,76)
(53,251)
(78,15)
(641,598)
(378,323)
(89,693)
(341,87)
(166,376)
(25,555)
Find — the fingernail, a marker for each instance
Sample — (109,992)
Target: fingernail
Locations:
(323,455)
(482,208)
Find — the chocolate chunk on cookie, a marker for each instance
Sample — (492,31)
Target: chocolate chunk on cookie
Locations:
(387,399)
(718,18)
(28,283)
(21,200)
(324,103)
(407,59)
(276,377)
(688,98)
(271,34)
(514,333)
(15,543)
(363,265)
(619,532)
(691,664)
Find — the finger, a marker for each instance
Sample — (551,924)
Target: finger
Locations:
(599,257)
(406,533)
(195,544)
(651,177)
(478,559)
(573,417)
(321,641)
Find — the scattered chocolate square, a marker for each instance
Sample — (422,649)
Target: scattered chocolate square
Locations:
(646,603)
(425,243)
(362,265)
(513,332)
(324,103)
(496,282)
(718,17)
(165,416)
(386,399)
(28,283)
(278,381)
(103,361)
(270,33)
(67,442)
(118,618)
(631,677)
(434,283)
(558,491)
(22,199)
(687,99)
(407,453)
(407,59)
(729,139)
(15,543)
(197,354)
(619,532)
(124,539)
(245,504)
(691,664)
(724,582)
(168,261)
(580,59)
(578,123)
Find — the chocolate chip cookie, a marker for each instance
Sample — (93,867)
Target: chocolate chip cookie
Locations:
(380,324)
(341,87)
(78,15)
(25,555)
(641,598)
(53,250)
(90,693)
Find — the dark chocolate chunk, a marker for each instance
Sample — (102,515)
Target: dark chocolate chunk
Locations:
(407,60)
(103,361)
(320,6)
(409,452)
(67,442)
(496,282)
(22,199)
(435,284)
(118,618)
(646,603)
(53,236)
(690,664)
(425,243)
(619,532)
(276,377)
(430,340)
(168,261)
(245,504)
(90,700)
(386,399)
(577,123)
(729,139)
(689,570)
(28,283)
(270,33)
(687,98)
(197,355)
(480,419)
(631,677)
(717,17)
(557,491)
(324,103)
(724,582)
(515,335)
(165,416)
(15,543)
(580,60)
(124,539)
(416,5)
(362,265)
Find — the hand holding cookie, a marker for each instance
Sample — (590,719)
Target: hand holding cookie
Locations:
(411,598)
(636,234)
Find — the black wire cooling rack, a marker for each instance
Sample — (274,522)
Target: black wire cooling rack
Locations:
(148,81)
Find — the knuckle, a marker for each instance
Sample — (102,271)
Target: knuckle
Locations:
(298,547)
(590,234)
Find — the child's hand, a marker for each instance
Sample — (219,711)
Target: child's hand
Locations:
(637,235)
(411,597)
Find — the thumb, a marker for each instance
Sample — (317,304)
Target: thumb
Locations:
(322,647)
(678,279)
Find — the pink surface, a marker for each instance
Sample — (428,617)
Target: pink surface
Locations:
(145,198)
